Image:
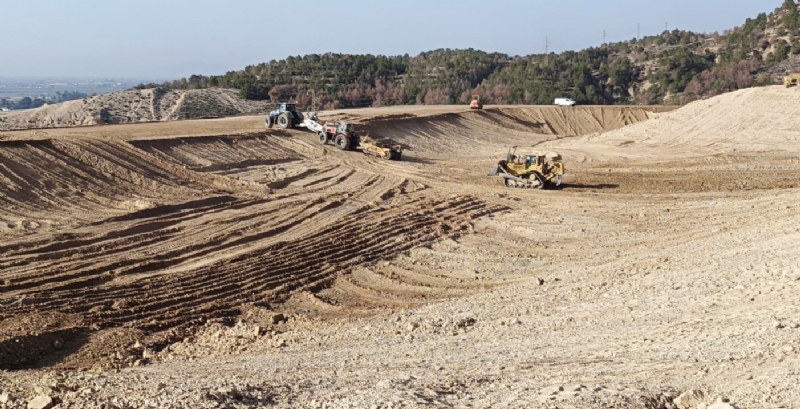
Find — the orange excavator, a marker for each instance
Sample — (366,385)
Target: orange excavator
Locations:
(476,102)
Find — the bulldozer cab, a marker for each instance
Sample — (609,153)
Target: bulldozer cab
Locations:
(526,160)
(531,161)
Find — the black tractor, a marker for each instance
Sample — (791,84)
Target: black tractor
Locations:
(285,116)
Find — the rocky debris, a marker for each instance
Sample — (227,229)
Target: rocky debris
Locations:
(228,391)
(5,397)
(723,405)
(41,402)
(689,399)
(121,305)
(278,318)
(551,390)
(464,320)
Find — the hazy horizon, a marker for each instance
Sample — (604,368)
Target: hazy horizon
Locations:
(92,39)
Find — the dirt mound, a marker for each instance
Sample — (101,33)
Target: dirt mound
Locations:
(755,119)
(134,106)
(455,133)
(213,153)
(50,184)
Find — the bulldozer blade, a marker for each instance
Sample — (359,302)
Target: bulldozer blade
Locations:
(493,172)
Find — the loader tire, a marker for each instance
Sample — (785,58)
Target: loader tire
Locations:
(341,142)
(323,138)
(269,122)
(284,121)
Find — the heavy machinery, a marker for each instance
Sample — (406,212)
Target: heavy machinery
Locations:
(345,137)
(476,102)
(285,116)
(381,149)
(343,134)
(532,171)
(791,79)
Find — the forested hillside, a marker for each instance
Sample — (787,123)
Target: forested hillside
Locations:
(675,67)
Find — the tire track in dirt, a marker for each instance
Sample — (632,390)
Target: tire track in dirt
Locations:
(264,274)
(216,153)
(319,215)
(68,183)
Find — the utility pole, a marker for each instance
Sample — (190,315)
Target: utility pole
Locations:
(604,37)
(666,26)
(638,31)
(546,49)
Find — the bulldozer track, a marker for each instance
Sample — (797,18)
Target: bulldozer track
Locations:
(190,241)
(264,273)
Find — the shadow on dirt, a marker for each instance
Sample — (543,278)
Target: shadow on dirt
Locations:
(415,159)
(586,186)
(536,127)
(40,350)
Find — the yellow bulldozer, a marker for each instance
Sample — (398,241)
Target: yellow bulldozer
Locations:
(791,79)
(531,171)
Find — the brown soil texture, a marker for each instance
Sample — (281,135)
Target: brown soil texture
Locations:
(214,262)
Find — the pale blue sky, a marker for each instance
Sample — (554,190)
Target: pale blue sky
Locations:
(174,38)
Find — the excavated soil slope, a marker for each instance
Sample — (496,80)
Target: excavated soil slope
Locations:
(754,119)
(133,107)
(262,268)
(461,133)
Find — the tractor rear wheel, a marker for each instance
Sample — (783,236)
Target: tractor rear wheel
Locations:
(341,142)
(323,138)
(284,121)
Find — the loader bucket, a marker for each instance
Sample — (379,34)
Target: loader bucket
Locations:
(493,172)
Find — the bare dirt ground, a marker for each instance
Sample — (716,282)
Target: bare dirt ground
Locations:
(215,264)
(134,106)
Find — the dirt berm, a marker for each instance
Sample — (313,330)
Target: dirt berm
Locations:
(748,120)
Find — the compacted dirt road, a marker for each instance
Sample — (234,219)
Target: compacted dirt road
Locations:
(213,263)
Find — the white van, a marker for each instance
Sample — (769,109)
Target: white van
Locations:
(565,102)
